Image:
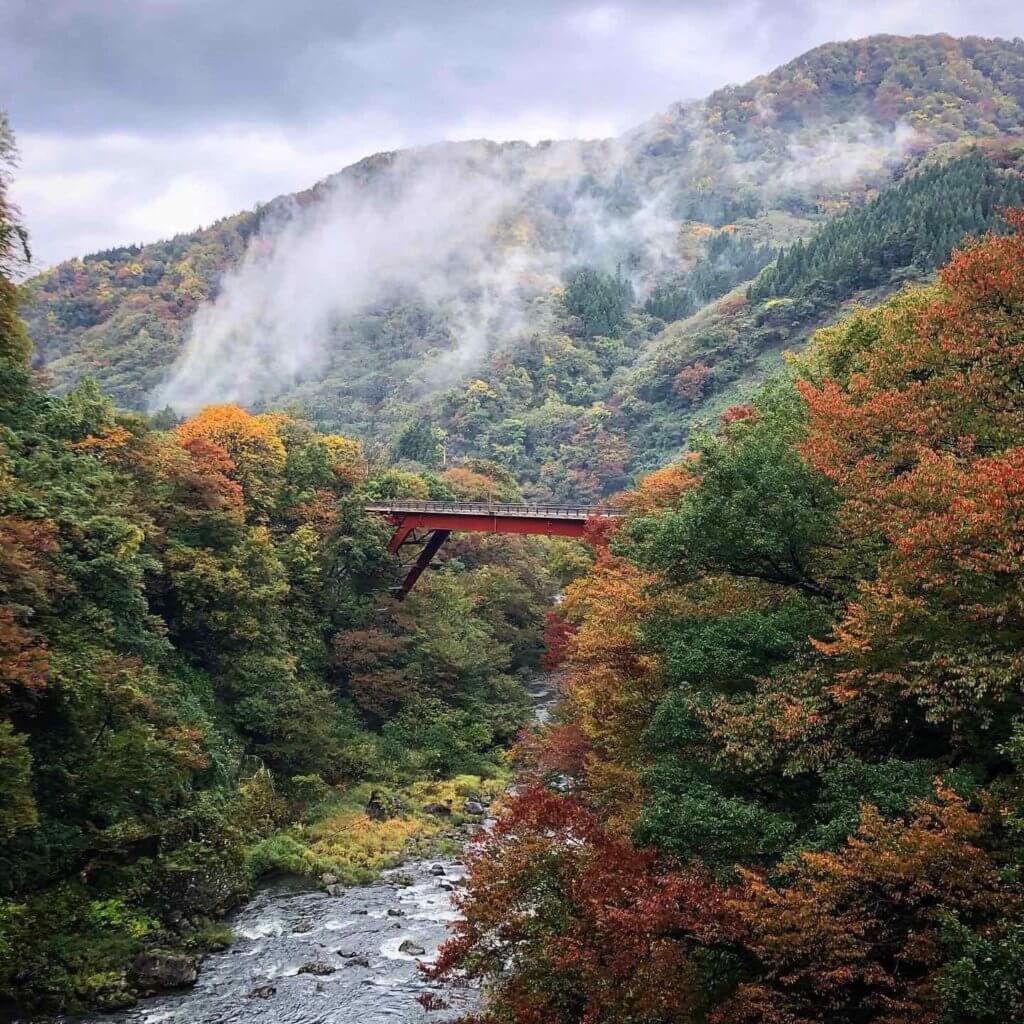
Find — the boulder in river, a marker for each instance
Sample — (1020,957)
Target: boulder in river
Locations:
(473,807)
(303,925)
(358,961)
(395,912)
(263,992)
(411,949)
(328,879)
(155,970)
(316,967)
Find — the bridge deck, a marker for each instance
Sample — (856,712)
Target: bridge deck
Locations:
(577,513)
(428,524)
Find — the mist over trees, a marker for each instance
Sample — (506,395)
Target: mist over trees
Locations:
(783,781)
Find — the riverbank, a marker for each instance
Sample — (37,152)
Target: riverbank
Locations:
(302,955)
(344,838)
(367,897)
(353,836)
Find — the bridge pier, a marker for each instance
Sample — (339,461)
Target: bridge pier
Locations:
(431,548)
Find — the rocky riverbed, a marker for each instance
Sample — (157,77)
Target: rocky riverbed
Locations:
(303,956)
(327,954)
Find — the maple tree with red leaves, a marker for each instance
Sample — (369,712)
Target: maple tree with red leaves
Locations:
(793,711)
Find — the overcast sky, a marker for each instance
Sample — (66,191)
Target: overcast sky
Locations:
(137,119)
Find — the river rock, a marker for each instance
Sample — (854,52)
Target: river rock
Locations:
(410,948)
(302,926)
(395,912)
(473,807)
(358,961)
(316,967)
(156,969)
(380,806)
(115,996)
(263,992)
(437,869)
(328,879)
(441,810)
(337,889)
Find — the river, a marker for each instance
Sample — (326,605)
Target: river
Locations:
(302,956)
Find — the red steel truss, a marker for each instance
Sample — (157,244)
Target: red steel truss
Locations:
(427,524)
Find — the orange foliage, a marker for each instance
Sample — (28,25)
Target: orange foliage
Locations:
(923,441)
(611,685)
(252,443)
(857,934)
(660,489)
(469,485)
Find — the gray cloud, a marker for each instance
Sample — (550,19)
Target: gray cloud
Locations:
(138,118)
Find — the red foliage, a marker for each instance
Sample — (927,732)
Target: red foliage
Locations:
(601,931)
(557,634)
(373,660)
(737,412)
(23,658)
(210,485)
(691,381)
(559,750)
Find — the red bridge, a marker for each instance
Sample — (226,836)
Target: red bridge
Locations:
(425,525)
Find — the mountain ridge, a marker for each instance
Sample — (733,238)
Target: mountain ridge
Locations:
(766,163)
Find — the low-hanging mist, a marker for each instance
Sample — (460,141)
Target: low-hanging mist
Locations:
(472,230)
(445,225)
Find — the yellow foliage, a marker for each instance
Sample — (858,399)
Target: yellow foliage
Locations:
(360,847)
(252,442)
(346,457)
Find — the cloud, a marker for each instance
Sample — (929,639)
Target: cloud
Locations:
(474,231)
(426,225)
(140,118)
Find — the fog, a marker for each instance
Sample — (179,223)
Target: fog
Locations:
(445,224)
(475,230)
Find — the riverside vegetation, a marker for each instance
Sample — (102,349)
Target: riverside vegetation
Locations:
(791,739)
(201,671)
(783,785)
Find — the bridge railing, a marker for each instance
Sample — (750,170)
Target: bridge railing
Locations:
(482,508)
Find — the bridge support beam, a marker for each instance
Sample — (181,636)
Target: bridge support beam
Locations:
(431,548)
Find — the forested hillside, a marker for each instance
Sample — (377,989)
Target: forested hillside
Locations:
(785,782)
(197,648)
(563,303)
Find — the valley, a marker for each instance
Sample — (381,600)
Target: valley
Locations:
(755,366)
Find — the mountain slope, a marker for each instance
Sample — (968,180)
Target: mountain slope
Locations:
(429,285)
